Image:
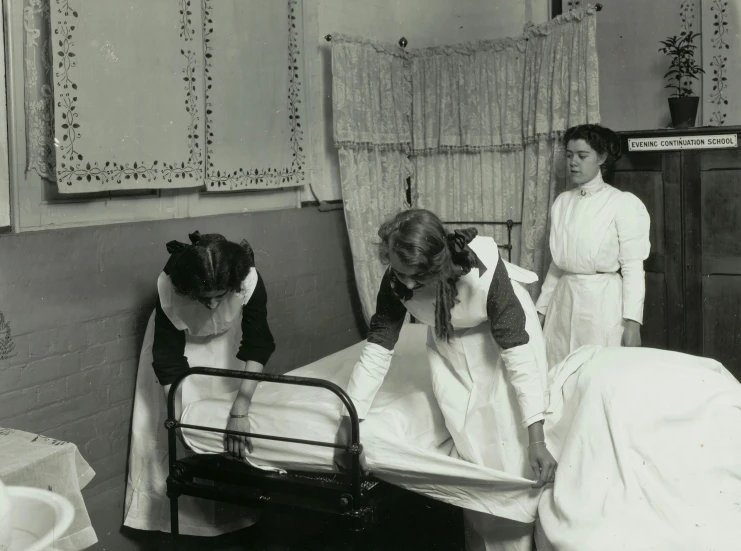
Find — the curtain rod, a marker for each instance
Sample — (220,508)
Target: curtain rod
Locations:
(402,41)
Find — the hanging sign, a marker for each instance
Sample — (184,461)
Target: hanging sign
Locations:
(668,143)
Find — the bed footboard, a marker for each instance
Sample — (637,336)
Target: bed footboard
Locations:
(356,499)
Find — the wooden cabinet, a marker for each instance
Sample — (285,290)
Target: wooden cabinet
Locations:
(693,275)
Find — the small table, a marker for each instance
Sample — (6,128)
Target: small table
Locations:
(36,461)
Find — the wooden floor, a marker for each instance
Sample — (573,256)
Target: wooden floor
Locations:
(431,526)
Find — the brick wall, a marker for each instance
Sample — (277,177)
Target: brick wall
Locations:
(77,302)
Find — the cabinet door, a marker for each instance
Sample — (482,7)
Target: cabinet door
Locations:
(721,257)
(643,175)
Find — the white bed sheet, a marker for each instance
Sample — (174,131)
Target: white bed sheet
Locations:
(647,441)
(404,436)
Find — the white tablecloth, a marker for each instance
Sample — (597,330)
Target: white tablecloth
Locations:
(36,461)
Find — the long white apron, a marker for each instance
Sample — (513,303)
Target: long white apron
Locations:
(477,400)
(212,339)
(585,309)
(587,306)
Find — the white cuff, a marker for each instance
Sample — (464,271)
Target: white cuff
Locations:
(367,377)
(525,376)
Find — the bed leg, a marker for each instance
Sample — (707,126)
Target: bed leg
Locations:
(358,541)
(174,522)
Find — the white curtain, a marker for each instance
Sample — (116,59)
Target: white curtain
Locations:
(372,190)
(561,89)
(483,123)
(372,102)
(474,187)
(467,134)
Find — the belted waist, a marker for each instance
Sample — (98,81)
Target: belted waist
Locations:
(618,272)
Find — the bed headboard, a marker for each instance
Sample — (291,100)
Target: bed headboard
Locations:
(509,223)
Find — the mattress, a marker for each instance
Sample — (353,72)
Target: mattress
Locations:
(404,406)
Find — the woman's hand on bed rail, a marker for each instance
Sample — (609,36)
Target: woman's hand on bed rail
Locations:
(341,457)
(178,399)
(239,446)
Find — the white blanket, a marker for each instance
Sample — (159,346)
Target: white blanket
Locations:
(648,443)
(649,449)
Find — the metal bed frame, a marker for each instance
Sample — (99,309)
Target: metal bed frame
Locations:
(358,501)
(509,223)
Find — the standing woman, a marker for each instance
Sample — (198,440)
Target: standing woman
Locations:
(485,348)
(211,312)
(595,287)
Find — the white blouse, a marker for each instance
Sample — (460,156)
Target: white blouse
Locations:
(597,228)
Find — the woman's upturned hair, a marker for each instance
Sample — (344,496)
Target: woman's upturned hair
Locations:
(418,239)
(210,263)
(603,140)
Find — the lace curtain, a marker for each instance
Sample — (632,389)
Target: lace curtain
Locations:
(371,92)
(468,97)
(561,89)
(4,177)
(468,134)
(40,152)
(488,118)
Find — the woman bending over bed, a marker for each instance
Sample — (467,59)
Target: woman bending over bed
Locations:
(485,349)
(211,312)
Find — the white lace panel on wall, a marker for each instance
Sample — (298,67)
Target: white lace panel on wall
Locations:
(254,94)
(39,100)
(128,94)
(4,178)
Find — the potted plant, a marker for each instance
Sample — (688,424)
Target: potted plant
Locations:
(682,71)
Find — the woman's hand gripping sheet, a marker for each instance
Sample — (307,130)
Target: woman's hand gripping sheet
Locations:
(238,445)
(541,460)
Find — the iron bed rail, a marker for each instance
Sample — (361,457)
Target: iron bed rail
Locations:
(509,223)
(349,489)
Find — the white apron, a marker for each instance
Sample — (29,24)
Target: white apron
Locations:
(586,306)
(212,339)
(477,400)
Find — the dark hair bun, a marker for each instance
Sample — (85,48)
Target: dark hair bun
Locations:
(600,138)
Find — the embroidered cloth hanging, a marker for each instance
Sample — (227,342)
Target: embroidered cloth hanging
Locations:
(128,94)
(254,95)
(220,104)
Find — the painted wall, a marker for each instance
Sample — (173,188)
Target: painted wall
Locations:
(77,301)
(632,94)
(422,22)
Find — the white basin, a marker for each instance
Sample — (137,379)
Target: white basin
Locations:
(32,519)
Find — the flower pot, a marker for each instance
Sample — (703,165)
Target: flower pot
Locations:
(684,111)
